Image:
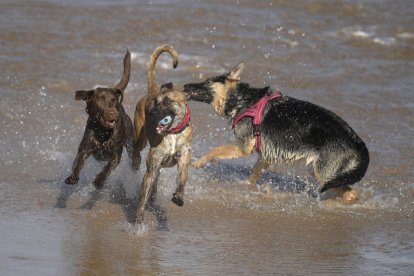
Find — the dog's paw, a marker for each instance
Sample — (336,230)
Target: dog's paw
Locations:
(350,196)
(139,220)
(98,185)
(250,181)
(71,180)
(177,200)
(199,164)
(99,182)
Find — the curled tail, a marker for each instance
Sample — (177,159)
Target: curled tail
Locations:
(125,76)
(352,176)
(152,86)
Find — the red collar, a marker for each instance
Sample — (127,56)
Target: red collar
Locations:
(256,112)
(183,124)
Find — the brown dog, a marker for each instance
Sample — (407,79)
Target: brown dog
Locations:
(108,128)
(163,119)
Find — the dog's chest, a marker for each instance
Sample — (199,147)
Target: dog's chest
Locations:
(171,149)
(172,145)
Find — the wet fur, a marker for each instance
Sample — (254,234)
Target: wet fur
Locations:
(107,130)
(291,130)
(166,150)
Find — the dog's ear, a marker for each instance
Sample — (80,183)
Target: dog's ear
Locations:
(83,95)
(236,72)
(165,86)
(119,94)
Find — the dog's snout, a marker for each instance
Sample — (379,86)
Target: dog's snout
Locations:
(113,114)
(190,89)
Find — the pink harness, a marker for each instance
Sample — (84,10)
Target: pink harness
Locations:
(256,112)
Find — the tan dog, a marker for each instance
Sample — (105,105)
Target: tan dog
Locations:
(163,119)
(283,129)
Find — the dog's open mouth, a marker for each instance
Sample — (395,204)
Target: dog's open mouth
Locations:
(198,93)
(107,124)
(161,129)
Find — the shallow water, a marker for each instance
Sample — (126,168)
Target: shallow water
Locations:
(354,57)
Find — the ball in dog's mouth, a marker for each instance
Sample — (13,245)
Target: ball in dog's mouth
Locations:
(164,124)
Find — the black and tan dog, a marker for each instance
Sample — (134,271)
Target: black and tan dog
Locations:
(283,129)
(108,128)
(163,119)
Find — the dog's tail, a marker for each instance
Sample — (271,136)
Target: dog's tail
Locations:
(125,76)
(152,86)
(351,176)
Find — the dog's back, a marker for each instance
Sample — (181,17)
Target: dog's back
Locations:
(294,129)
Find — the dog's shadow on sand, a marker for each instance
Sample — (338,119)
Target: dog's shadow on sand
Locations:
(224,172)
(130,206)
(65,191)
(117,195)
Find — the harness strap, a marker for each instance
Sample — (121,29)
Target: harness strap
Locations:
(256,112)
(183,124)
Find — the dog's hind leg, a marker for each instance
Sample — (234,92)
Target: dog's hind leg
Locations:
(257,171)
(129,144)
(225,152)
(100,178)
(339,172)
(183,162)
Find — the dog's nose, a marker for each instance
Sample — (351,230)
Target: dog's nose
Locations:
(113,114)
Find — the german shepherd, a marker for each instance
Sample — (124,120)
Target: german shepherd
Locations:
(163,119)
(291,129)
(108,129)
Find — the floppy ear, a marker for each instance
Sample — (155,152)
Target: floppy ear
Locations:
(83,95)
(236,72)
(119,94)
(168,85)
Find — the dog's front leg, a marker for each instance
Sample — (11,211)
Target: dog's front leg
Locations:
(257,171)
(112,164)
(78,164)
(224,152)
(182,164)
(150,177)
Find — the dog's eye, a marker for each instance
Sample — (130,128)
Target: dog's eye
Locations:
(166,101)
(166,120)
(100,99)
